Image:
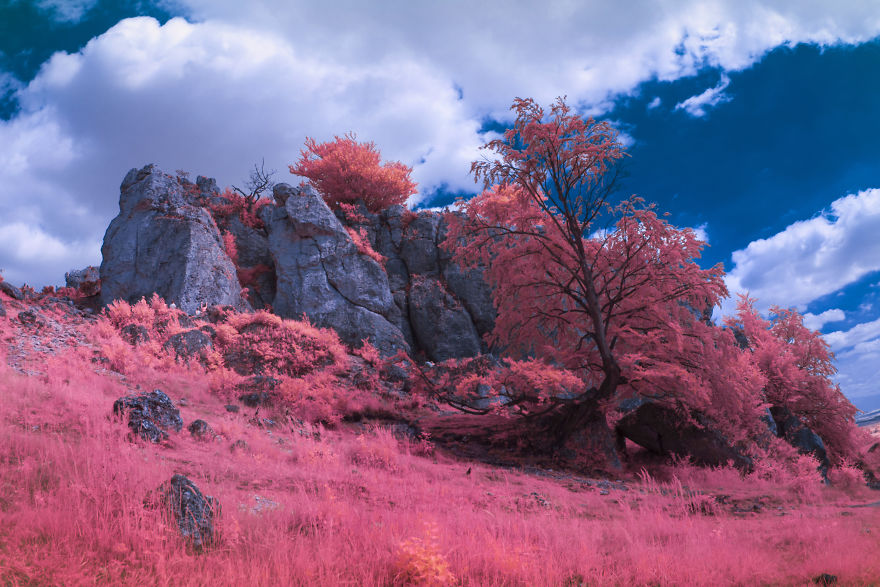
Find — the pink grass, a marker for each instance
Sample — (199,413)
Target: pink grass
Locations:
(357,506)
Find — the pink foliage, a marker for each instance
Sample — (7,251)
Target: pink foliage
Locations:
(359,237)
(344,171)
(797,365)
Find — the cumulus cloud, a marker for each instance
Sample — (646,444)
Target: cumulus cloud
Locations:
(247,80)
(654,103)
(697,105)
(811,258)
(211,99)
(817,321)
(857,354)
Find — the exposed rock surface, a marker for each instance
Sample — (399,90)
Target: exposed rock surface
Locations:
(415,262)
(201,430)
(2,310)
(194,513)
(800,436)
(301,260)
(87,280)
(661,430)
(163,241)
(189,344)
(321,274)
(10,290)
(440,324)
(149,415)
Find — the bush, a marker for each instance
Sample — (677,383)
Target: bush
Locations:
(344,171)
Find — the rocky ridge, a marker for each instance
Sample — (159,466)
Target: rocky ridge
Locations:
(303,259)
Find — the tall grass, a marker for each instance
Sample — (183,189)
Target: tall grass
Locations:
(356,505)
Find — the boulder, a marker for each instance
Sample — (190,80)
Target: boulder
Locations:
(194,513)
(10,290)
(163,241)
(321,274)
(188,344)
(149,415)
(662,430)
(2,310)
(134,334)
(201,430)
(800,436)
(87,281)
(441,326)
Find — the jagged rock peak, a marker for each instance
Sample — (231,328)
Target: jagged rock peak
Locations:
(164,242)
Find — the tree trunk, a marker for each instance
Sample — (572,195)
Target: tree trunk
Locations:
(580,431)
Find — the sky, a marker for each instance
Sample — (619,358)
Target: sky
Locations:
(756,123)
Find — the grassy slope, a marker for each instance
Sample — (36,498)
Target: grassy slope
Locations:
(357,506)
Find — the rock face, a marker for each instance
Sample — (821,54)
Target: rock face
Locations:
(10,290)
(149,415)
(189,344)
(421,274)
(194,513)
(799,435)
(302,259)
(162,241)
(320,273)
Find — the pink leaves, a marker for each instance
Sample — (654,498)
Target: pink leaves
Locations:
(344,171)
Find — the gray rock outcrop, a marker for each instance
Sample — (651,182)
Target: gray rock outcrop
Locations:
(87,280)
(420,273)
(320,273)
(299,258)
(163,241)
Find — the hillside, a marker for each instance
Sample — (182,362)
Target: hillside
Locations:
(351,480)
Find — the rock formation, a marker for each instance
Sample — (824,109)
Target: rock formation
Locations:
(298,258)
(163,241)
(321,273)
(87,280)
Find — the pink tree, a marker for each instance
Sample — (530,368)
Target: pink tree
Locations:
(618,308)
(798,364)
(344,170)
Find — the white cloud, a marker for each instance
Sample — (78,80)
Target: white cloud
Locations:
(702,232)
(654,103)
(857,354)
(860,334)
(817,321)
(253,79)
(69,11)
(810,258)
(697,105)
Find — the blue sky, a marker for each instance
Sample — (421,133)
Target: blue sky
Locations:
(755,122)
